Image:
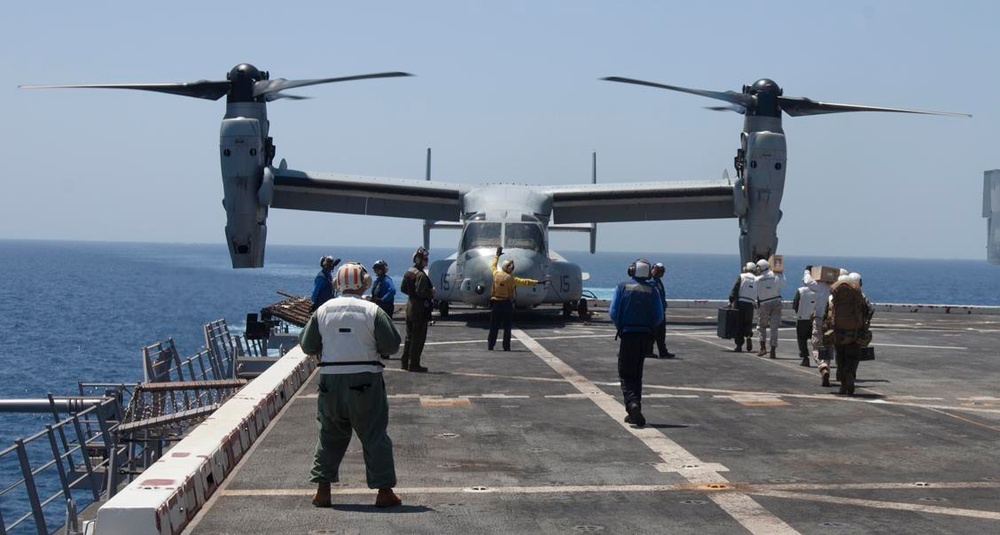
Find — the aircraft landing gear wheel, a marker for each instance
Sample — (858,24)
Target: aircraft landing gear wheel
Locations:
(581,309)
(443,309)
(567,310)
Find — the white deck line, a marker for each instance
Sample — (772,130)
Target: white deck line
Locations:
(741,507)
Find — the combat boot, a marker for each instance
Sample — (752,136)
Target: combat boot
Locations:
(826,378)
(635,416)
(415,366)
(849,383)
(805,362)
(774,352)
(763,349)
(749,344)
(322,496)
(387,498)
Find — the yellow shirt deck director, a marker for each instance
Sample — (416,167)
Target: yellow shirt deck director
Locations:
(504,282)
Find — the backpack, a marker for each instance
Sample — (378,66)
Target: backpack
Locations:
(848,306)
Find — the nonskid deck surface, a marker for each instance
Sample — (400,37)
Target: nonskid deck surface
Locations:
(532,440)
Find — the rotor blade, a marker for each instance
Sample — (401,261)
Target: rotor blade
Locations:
(799,106)
(731,97)
(738,109)
(270,97)
(264,87)
(209,90)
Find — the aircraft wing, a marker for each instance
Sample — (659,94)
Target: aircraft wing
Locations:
(641,201)
(367,195)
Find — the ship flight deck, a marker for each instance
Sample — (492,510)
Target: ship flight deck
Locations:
(533,440)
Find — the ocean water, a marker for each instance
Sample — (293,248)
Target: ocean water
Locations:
(82,311)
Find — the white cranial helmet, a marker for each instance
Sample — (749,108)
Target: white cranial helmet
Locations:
(763,265)
(854,276)
(843,272)
(353,276)
(749,267)
(843,278)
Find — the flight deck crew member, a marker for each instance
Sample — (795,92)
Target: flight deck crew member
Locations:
(349,334)
(804,305)
(768,306)
(636,311)
(848,316)
(383,289)
(502,299)
(660,334)
(822,290)
(744,296)
(323,283)
(418,287)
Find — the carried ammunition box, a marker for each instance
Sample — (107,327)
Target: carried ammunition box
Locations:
(777,263)
(825,273)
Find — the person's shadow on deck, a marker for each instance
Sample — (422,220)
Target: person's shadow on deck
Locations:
(360,508)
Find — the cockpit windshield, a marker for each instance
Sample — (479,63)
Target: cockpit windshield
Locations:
(525,236)
(481,235)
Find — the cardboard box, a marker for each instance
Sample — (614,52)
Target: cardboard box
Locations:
(825,273)
(777,263)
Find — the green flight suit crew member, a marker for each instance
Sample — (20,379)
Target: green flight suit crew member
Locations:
(848,322)
(502,299)
(349,334)
(418,287)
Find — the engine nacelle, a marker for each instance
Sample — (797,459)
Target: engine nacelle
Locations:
(242,153)
(765,185)
(991,211)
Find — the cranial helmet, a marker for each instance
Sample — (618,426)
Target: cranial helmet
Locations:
(420,253)
(843,271)
(749,267)
(854,276)
(380,264)
(324,259)
(763,265)
(639,269)
(353,276)
(507,265)
(659,269)
(844,278)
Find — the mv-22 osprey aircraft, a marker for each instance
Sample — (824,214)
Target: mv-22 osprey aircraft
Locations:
(518,217)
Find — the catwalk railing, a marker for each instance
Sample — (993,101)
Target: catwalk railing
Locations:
(102,439)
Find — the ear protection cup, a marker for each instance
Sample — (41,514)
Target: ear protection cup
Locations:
(639,269)
(420,253)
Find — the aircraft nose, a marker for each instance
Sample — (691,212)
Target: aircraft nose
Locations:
(528,266)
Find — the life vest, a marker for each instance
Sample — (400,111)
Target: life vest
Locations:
(347,327)
(768,287)
(637,307)
(807,303)
(748,288)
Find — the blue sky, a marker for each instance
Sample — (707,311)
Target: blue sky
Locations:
(506,92)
